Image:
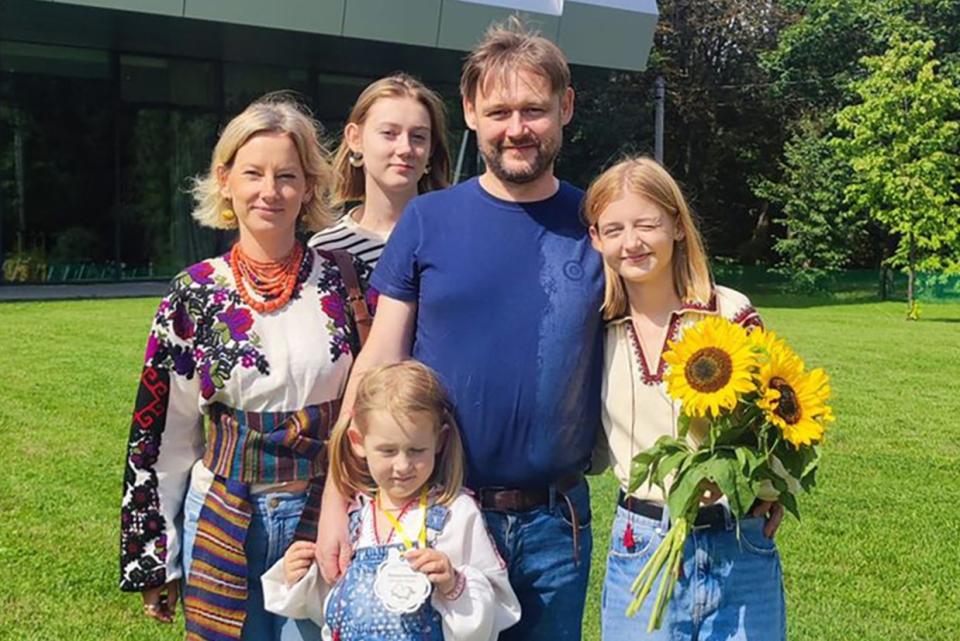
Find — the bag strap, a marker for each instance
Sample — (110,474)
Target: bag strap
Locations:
(355,297)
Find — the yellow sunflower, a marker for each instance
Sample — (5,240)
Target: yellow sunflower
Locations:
(766,341)
(710,367)
(794,400)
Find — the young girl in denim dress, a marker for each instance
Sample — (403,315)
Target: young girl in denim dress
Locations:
(424,565)
(658,283)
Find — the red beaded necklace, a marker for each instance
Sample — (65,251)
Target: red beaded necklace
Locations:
(272,280)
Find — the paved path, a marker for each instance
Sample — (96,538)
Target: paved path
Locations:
(139,289)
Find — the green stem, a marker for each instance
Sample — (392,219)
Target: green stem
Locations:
(652,565)
(670,577)
(648,575)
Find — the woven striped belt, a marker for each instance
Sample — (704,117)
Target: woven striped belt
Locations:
(245,448)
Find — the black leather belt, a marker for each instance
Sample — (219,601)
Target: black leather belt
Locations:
(503,499)
(710,516)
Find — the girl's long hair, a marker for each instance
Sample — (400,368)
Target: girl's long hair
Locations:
(403,389)
(350,180)
(647,178)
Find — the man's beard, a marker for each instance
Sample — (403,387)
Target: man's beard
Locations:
(542,162)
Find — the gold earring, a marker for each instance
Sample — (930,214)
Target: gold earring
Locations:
(228,216)
(355,158)
(426,170)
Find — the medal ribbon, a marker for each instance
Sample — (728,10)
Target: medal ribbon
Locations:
(395,522)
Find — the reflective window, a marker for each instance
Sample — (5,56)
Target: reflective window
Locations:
(56,158)
(94,173)
(245,83)
(184,83)
(98,148)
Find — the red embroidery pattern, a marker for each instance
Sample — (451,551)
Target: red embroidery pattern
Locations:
(748,317)
(143,538)
(710,306)
(648,377)
(147,414)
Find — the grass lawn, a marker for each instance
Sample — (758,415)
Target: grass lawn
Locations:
(877,556)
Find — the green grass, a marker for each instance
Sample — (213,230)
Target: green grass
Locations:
(875,558)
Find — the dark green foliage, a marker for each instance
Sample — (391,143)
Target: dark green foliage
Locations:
(820,234)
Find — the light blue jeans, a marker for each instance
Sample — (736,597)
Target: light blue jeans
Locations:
(538,548)
(731,590)
(275,518)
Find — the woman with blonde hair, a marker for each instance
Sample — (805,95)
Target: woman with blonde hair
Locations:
(257,345)
(658,283)
(394,147)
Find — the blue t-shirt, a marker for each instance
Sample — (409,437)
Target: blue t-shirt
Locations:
(508,298)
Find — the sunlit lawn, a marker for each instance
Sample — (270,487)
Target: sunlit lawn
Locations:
(876,557)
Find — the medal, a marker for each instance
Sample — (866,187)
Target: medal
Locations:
(400,588)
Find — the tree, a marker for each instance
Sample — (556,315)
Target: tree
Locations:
(722,125)
(820,53)
(902,146)
(821,236)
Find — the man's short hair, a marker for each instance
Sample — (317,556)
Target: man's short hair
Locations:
(507,47)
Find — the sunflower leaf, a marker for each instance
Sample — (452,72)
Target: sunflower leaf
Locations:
(640,469)
(809,481)
(793,459)
(684,495)
(752,458)
(725,472)
(789,503)
(667,465)
(765,473)
(813,459)
(683,425)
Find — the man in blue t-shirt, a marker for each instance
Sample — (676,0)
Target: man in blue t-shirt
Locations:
(494,285)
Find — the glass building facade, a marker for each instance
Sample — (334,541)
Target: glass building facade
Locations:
(106,115)
(98,143)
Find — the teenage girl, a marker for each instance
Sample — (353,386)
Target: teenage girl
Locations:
(657,284)
(394,147)
(424,564)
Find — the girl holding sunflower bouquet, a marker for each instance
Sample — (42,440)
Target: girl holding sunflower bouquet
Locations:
(658,289)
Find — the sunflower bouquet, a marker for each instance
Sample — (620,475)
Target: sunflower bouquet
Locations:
(759,416)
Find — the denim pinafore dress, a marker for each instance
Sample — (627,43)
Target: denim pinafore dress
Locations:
(354,613)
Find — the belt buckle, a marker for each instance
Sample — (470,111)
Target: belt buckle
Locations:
(489,497)
(510,500)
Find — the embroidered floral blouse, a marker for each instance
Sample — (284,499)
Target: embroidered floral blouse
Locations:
(206,346)
(636,409)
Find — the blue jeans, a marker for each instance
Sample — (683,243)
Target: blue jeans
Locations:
(731,590)
(537,546)
(274,521)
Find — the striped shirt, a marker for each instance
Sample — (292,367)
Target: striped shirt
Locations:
(346,234)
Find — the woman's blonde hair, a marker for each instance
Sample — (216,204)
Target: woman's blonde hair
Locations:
(402,389)
(350,180)
(272,113)
(646,178)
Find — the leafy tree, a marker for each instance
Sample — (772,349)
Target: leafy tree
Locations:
(613,117)
(820,53)
(722,125)
(902,146)
(812,70)
(821,235)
